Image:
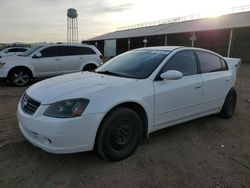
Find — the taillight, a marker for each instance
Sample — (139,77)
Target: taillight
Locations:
(101,57)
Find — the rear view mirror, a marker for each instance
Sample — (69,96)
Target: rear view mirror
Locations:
(171,75)
(38,54)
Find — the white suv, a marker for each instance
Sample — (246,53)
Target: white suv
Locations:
(49,60)
(12,51)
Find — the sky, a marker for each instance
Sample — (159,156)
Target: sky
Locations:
(45,20)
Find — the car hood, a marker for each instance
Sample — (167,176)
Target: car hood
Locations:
(11,58)
(76,85)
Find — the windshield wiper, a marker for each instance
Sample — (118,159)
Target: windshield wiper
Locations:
(108,73)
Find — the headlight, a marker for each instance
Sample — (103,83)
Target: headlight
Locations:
(67,108)
(1,64)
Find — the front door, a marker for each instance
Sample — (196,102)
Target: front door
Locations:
(50,63)
(178,99)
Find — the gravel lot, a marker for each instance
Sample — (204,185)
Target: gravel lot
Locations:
(208,152)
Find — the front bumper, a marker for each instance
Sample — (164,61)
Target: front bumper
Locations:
(59,135)
(3,73)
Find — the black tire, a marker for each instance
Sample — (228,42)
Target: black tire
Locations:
(89,67)
(119,134)
(229,105)
(19,76)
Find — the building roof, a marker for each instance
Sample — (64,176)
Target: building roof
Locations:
(222,22)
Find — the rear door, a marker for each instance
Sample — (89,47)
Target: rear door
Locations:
(178,99)
(50,63)
(76,57)
(216,80)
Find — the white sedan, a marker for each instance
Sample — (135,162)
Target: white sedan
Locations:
(12,51)
(138,92)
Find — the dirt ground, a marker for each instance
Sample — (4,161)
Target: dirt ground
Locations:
(208,152)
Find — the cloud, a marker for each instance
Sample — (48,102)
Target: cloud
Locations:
(33,20)
(118,8)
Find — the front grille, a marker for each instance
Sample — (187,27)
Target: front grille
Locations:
(29,105)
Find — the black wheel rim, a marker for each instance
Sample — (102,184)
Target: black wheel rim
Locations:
(122,135)
(20,78)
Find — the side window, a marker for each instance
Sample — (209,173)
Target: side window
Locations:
(86,51)
(184,62)
(12,50)
(52,51)
(76,50)
(17,50)
(68,51)
(209,62)
(21,49)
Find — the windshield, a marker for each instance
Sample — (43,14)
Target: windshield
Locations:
(134,64)
(30,51)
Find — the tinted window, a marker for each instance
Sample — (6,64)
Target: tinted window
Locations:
(77,50)
(69,51)
(52,51)
(16,50)
(86,51)
(209,62)
(182,61)
(21,49)
(134,64)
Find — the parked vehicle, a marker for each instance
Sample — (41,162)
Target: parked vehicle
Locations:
(129,97)
(49,60)
(12,51)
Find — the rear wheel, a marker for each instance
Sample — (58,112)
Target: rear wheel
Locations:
(19,76)
(119,135)
(229,105)
(89,67)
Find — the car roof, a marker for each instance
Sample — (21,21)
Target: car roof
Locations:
(168,48)
(15,47)
(172,48)
(65,44)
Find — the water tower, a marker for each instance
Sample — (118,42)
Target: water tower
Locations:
(72,26)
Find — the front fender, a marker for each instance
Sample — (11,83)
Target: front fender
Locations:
(140,92)
(25,66)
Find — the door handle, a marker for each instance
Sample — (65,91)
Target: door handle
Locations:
(198,86)
(228,79)
(58,59)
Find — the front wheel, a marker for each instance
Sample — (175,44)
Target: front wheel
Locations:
(229,105)
(119,134)
(19,77)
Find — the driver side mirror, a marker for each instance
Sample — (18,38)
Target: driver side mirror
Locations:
(38,55)
(171,75)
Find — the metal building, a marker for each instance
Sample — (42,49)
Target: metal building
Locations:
(228,35)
